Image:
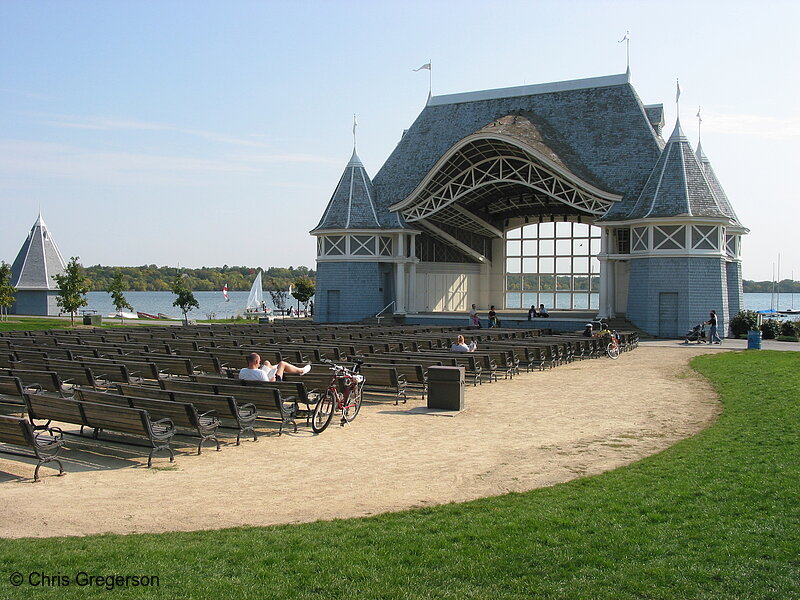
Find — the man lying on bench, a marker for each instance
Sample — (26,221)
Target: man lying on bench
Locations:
(256,371)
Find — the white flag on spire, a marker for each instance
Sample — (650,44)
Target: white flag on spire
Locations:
(426,66)
(678,90)
(355,123)
(699,118)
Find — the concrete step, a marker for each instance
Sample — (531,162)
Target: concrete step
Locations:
(621,324)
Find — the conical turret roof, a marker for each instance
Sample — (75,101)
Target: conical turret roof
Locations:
(38,260)
(720,194)
(678,185)
(352,205)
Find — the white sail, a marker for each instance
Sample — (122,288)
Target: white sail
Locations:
(256,298)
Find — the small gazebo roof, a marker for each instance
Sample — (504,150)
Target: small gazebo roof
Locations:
(679,186)
(37,261)
(720,194)
(352,205)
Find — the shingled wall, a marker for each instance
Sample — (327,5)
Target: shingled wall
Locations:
(699,282)
(359,287)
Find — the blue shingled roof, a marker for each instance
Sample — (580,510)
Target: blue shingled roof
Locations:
(599,128)
(719,193)
(352,205)
(37,261)
(678,185)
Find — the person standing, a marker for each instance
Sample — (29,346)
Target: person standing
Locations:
(713,336)
(492,317)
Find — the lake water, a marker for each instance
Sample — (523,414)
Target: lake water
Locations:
(212,303)
(767,301)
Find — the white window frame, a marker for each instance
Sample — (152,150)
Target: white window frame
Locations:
(677,237)
(356,245)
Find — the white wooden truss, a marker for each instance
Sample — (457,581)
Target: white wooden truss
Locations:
(460,180)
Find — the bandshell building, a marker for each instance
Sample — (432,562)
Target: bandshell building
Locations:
(564,194)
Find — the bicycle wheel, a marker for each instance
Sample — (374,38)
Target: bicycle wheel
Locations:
(323,412)
(352,406)
(613,351)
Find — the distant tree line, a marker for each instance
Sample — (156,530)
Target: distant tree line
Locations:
(151,278)
(765,287)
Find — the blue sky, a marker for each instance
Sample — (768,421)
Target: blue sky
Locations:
(211,133)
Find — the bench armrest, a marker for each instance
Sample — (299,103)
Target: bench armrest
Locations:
(167,423)
(250,408)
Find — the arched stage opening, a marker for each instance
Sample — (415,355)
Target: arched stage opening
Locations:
(502,221)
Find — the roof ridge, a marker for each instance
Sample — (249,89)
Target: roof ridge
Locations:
(531,90)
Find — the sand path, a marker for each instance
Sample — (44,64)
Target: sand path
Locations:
(540,429)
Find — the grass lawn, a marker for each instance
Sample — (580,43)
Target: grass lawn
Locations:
(716,516)
(16,323)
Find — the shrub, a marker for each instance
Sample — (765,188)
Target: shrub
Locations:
(788,338)
(744,321)
(790,328)
(770,329)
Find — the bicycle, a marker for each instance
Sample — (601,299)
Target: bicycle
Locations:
(613,347)
(343,394)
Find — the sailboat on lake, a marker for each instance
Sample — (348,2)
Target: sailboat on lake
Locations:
(255,300)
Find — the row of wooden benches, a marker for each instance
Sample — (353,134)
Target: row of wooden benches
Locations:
(154,413)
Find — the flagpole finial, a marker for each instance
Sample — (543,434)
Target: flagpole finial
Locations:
(627,39)
(427,67)
(699,122)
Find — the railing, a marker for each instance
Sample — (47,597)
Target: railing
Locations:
(378,316)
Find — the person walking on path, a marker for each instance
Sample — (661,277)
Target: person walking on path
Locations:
(713,336)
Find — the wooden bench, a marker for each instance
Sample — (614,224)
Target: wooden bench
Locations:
(44,444)
(49,381)
(133,368)
(225,407)
(415,375)
(102,417)
(70,373)
(183,414)
(105,371)
(11,390)
(473,364)
(290,390)
(268,401)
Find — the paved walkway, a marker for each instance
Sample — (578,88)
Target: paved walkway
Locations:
(727,344)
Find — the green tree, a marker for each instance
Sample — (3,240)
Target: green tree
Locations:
(185,298)
(303,290)
(278,295)
(115,288)
(6,290)
(73,286)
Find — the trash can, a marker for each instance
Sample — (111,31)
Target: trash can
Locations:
(446,388)
(94,320)
(754,340)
